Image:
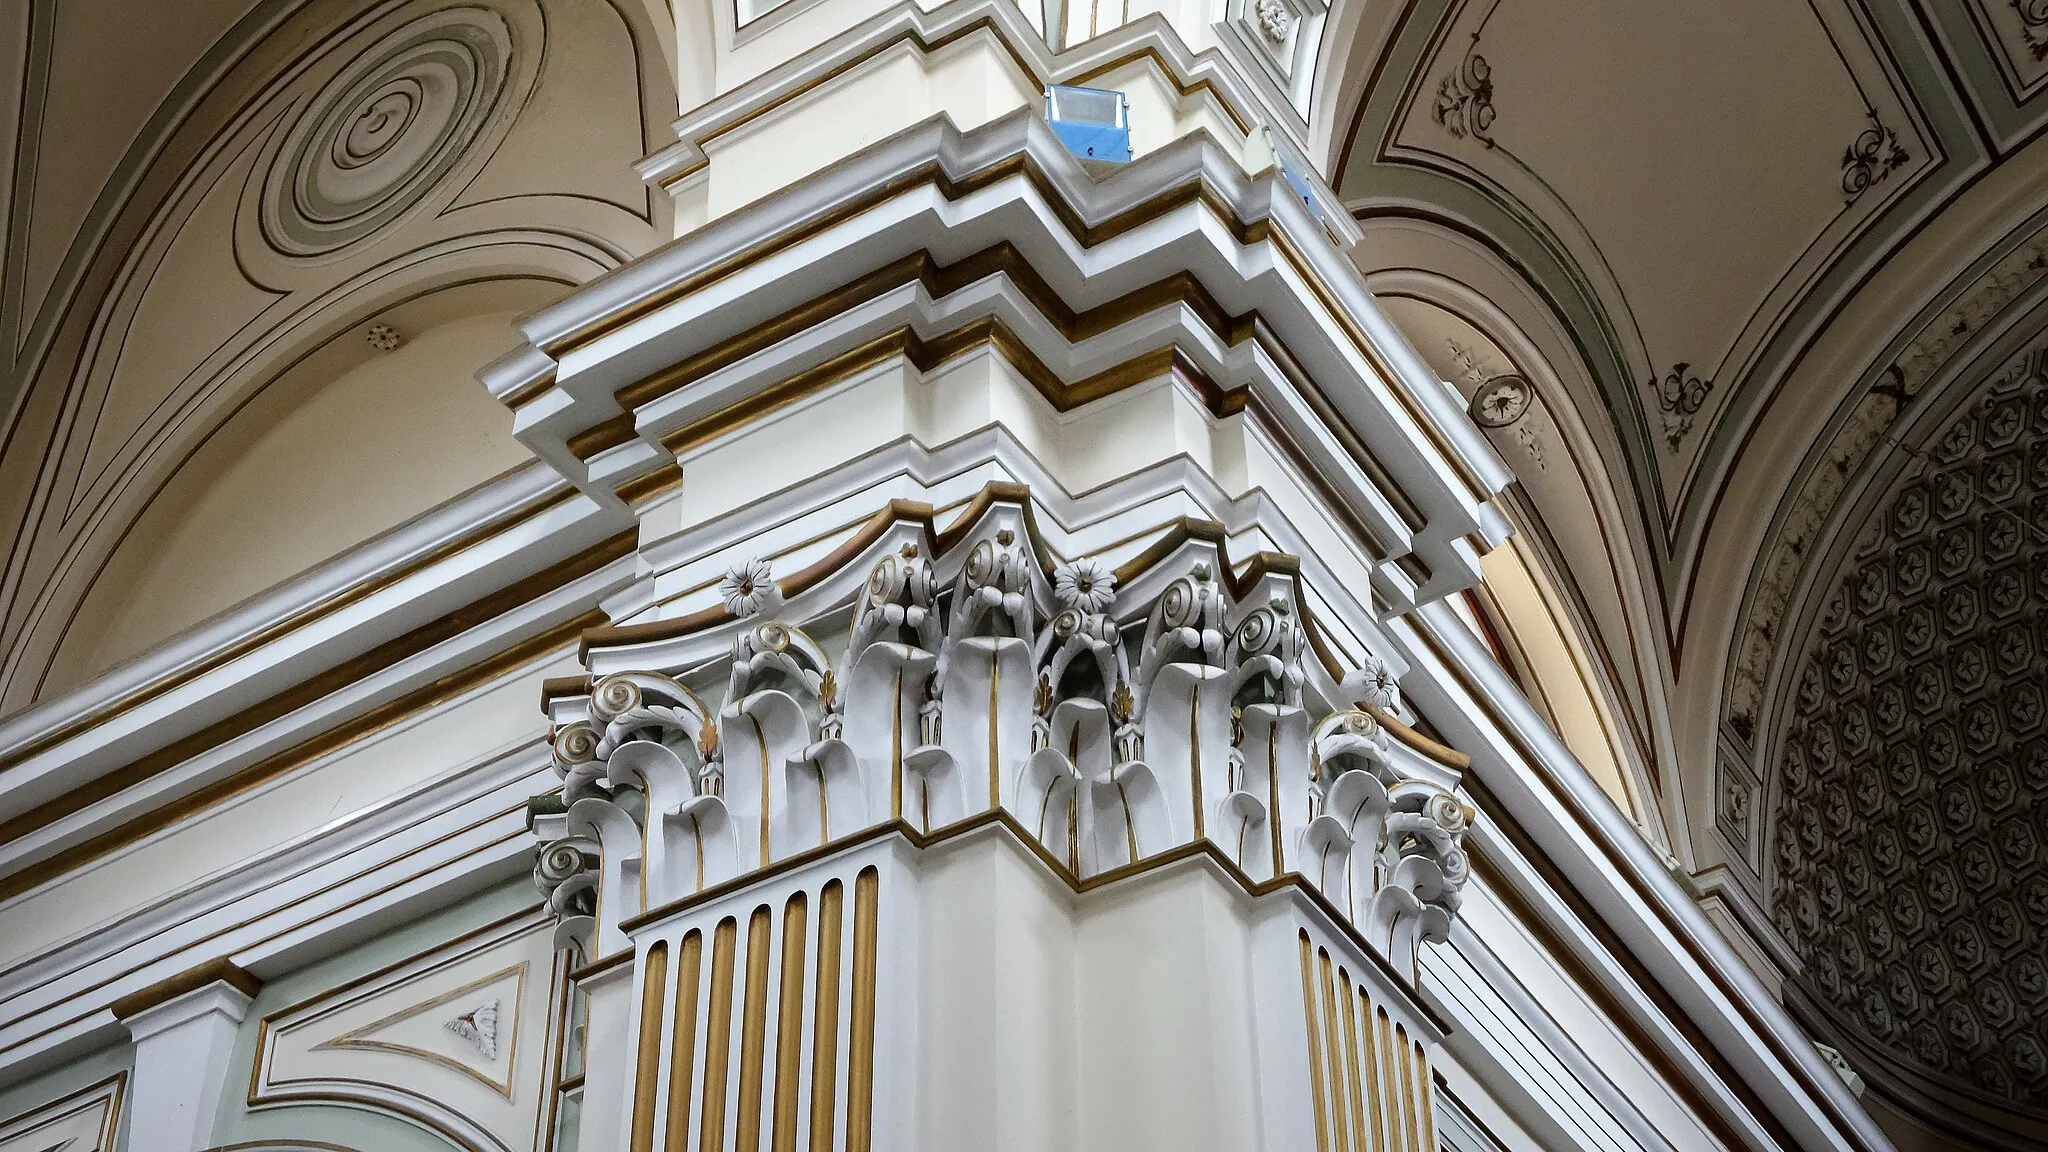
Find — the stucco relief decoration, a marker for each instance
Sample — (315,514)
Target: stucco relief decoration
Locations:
(1874,155)
(1680,392)
(1913,773)
(1863,433)
(384,130)
(479,1026)
(1736,814)
(1464,98)
(748,589)
(1108,724)
(1501,401)
(85,1121)
(1274,20)
(2034,23)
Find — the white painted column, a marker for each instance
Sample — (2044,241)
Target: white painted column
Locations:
(183,1042)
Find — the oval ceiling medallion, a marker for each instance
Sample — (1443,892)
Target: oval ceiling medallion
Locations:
(1501,401)
(384,130)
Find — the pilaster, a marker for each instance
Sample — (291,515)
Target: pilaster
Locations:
(184,1034)
(1000,744)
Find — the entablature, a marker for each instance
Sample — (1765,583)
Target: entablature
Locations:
(936,243)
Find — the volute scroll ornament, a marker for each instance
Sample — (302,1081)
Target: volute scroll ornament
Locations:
(1111,719)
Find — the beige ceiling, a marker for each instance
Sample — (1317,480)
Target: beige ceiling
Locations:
(1739,247)
(1748,252)
(1679,208)
(163,270)
(102,68)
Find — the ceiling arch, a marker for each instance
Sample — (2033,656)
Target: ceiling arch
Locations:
(1694,187)
(316,168)
(205,538)
(1761,246)
(1471,316)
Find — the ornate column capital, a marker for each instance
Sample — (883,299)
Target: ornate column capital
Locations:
(1115,717)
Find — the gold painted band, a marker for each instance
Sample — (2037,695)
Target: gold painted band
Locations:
(243,646)
(940,280)
(647,1063)
(1596,987)
(1416,741)
(1500,815)
(1179,289)
(1000,817)
(220,971)
(377,719)
(1089,236)
(941,541)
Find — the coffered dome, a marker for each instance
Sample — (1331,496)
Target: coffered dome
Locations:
(1912,877)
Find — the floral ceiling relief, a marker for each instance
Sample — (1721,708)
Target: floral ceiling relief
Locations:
(1685,209)
(1911,875)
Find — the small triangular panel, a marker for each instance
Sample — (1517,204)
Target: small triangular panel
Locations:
(458,1029)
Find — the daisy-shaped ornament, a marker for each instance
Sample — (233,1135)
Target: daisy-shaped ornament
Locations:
(1376,681)
(749,590)
(1085,586)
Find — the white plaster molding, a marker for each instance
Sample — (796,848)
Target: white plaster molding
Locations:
(87,1120)
(1842,1067)
(1018,696)
(1519,1050)
(279,910)
(413,600)
(1245,365)
(1109,520)
(1013,209)
(1621,877)
(381,1043)
(182,1049)
(394,551)
(1245,92)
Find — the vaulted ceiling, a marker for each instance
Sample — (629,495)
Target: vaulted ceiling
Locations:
(206,197)
(1751,259)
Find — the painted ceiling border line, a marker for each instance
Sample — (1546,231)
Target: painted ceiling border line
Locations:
(172,112)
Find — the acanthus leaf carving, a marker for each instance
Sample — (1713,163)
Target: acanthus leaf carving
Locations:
(2034,25)
(479,1026)
(1680,393)
(1464,98)
(1013,685)
(1275,21)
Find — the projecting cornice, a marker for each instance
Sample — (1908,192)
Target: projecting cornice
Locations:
(1198,76)
(936,241)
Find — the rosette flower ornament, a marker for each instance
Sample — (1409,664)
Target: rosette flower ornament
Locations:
(749,589)
(1376,684)
(1085,586)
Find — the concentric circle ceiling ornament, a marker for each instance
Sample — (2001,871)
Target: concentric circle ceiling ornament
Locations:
(385,130)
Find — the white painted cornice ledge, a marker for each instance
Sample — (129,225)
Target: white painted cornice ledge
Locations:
(1517,758)
(655,331)
(393,551)
(1150,34)
(201,677)
(293,903)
